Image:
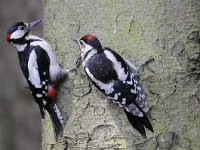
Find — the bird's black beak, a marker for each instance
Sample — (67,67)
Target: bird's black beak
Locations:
(34,23)
(76,40)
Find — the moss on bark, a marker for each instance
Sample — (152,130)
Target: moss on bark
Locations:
(137,30)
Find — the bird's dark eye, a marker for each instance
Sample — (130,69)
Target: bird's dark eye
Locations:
(81,42)
(21,28)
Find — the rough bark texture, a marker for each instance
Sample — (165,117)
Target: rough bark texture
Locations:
(168,31)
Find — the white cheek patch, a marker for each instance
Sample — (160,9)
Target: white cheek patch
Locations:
(17,34)
(84,50)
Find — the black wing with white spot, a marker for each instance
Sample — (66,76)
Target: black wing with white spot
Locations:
(127,91)
(115,77)
(141,96)
(39,80)
(131,96)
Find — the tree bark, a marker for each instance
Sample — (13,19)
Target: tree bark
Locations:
(166,30)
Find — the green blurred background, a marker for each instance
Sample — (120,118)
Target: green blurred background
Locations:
(20,121)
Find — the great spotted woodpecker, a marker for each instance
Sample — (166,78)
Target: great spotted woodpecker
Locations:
(116,78)
(39,66)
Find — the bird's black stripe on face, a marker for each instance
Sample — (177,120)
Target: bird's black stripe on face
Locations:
(21,40)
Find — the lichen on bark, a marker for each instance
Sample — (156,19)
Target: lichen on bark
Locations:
(137,30)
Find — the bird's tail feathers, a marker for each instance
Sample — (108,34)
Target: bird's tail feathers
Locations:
(56,118)
(139,123)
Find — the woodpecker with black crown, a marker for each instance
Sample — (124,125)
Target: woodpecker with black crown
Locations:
(40,68)
(116,78)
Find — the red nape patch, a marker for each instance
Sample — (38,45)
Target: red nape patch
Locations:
(8,37)
(52,92)
(88,37)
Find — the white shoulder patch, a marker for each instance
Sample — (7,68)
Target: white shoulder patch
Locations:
(33,37)
(55,69)
(117,65)
(132,66)
(42,44)
(34,77)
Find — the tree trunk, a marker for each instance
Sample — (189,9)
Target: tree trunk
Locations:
(166,30)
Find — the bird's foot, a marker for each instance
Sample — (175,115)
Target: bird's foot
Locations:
(75,69)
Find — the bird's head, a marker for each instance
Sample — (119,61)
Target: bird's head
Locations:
(88,42)
(20,30)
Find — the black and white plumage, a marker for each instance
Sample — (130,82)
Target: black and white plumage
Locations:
(116,78)
(39,66)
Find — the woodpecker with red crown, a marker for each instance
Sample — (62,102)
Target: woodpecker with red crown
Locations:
(116,78)
(40,68)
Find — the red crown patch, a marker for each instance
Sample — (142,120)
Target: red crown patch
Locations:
(88,37)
